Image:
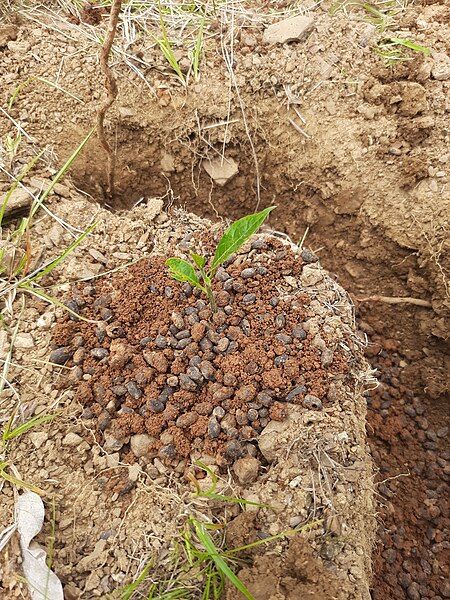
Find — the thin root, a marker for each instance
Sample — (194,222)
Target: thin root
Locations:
(396,300)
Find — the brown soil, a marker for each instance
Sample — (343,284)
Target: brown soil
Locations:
(370,188)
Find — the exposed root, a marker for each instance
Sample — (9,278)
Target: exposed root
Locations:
(396,300)
(111,94)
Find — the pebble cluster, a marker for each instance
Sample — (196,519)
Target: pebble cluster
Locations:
(413,483)
(164,376)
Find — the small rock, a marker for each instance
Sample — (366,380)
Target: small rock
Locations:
(309,257)
(157,360)
(249,298)
(72,440)
(248,273)
(441,67)
(207,370)
(61,355)
(99,353)
(297,391)
(246,469)
(186,383)
(198,331)
(312,402)
(213,428)
(141,444)
(221,171)
(233,450)
(310,276)
(38,438)
(24,341)
(134,390)
(293,29)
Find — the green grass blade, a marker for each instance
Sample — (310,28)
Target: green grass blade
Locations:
(9,434)
(218,560)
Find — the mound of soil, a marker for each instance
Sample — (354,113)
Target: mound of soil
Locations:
(308,473)
(166,376)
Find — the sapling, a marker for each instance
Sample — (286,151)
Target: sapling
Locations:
(197,273)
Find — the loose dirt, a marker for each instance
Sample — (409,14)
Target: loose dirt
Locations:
(366,180)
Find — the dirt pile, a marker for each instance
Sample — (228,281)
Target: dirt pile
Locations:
(310,469)
(165,376)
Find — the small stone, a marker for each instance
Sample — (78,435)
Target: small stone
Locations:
(207,370)
(327,357)
(72,440)
(187,419)
(312,402)
(223,344)
(24,341)
(37,438)
(194,373)
(134,391)
(157,360)
(299,333)
(172,381)
(198,331)
(252,414)
(119,390)
(299,390)
(99,353)
(441,67)
(258,244)
(213,428)
(141,444)
(249,298)
(248,273)
(221,170)
(280,320)
(221,274)
(218,412)
(61,355)
(177,320)
(293,29)
(223,297)
(156,406)
(309,257)
(186,383)
(311,276)
(233,450)
(246,469)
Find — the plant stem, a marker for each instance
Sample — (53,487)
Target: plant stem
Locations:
(111,93)
(211,298)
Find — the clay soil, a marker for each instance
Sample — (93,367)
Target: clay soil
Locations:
(366,180)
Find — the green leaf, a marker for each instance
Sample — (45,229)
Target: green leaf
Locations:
(181,270)
(410,44)
(237,234)
(200,261)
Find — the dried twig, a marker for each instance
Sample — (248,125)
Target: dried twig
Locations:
(111,93)
(396,300)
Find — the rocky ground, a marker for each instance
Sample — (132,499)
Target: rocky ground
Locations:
(353,152)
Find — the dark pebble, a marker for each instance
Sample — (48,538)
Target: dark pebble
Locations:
(221,274)
(134,390)
(156,406)
(245,325)
(187,289)
(312,402)
(61,355)
(274,302)
(297,391)
(106,314)
(194,372)
(99,353)
(249,298)
(165,394)
(145,341)
(233,450)
(285,339)
(182,335)
(265,399)
(309,257)
(219,412)
(258,244)
(181,345)
(167,452)
(119,390)
(213,428)
(280,360)
(73,306)
(114,330)
(100,334)
(168,291)
(299,333)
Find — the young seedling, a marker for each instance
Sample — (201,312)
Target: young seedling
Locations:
(197,274)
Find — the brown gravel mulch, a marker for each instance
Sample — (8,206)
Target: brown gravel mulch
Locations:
(163,376)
